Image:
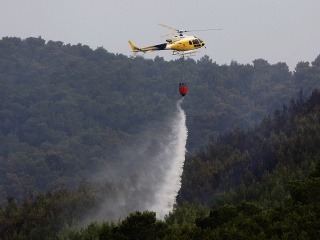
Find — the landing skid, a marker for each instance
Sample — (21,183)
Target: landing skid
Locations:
(185,53)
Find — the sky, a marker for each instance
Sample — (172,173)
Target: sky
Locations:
(274,30)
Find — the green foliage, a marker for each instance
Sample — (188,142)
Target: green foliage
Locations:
(45,216)
(186,213)
(141,226)
(138,225)
(306,192)
(53,216)
(92,231)
(256,165)
(217,217)
(243,221)
(64,108)
(66,111)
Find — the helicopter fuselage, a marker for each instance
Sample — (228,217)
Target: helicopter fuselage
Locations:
(184,43)
(177,43)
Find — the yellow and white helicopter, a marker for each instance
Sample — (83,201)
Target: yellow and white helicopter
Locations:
(180,44)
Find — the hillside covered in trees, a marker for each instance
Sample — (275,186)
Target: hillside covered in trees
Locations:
(276,199)
(67,111)
(254,165)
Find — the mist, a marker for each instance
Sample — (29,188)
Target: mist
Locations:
(147,176)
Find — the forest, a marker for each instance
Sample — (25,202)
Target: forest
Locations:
(66,111)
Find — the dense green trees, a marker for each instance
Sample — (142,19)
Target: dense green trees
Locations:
(49,217)
(136,226)
(66,111)
(256,164)
(64,108)
(45,216)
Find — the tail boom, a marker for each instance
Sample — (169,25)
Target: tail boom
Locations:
(148,49)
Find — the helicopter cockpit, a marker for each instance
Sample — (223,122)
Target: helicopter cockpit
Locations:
(197,42)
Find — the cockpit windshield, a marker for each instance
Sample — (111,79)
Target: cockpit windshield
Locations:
(195,41)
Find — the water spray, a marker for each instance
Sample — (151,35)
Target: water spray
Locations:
(176,150)
(147,177)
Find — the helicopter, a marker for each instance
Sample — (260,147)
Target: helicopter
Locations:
(180,44)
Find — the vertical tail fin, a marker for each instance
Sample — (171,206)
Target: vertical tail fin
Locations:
(133,47)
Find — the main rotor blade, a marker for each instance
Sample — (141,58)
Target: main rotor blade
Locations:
(168,35)
(182,31)
(168,27)
(202,30)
